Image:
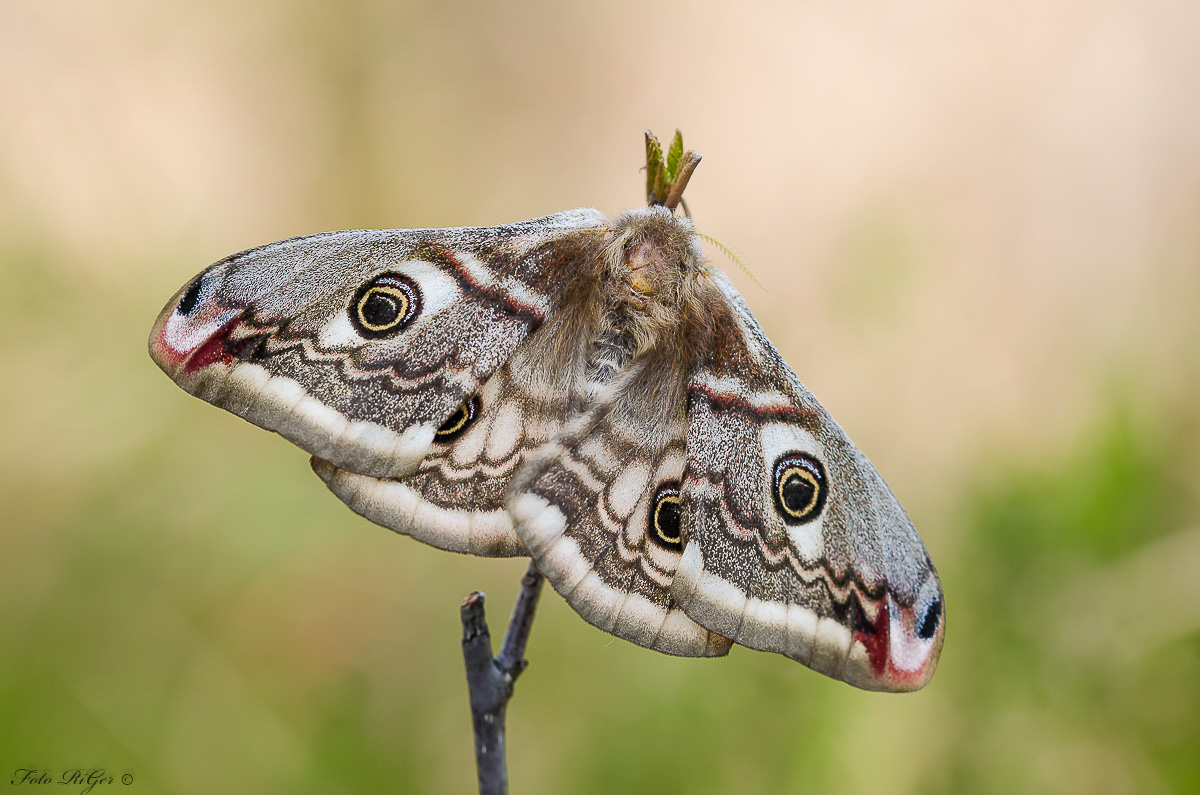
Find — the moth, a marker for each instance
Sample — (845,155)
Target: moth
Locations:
(587,391)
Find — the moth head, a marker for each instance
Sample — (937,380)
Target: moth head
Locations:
(654,251)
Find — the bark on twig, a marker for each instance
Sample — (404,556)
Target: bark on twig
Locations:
(690,161)
(490,679)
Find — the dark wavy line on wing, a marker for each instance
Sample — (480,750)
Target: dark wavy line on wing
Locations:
(725,401)
(492,293)
(754,533)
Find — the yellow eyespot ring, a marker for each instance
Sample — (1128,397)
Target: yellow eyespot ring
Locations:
(800,487)
(666,528)
(385,305)
(459,421)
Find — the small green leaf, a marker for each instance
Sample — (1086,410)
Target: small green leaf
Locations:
(654,168)
(674,157)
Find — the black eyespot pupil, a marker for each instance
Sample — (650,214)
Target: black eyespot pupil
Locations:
(800,487)
(385,306)
(667,520)
(665,525)
(187,304)
(381,309)
(929,624)
(462,418)
(455,420)
(798,493)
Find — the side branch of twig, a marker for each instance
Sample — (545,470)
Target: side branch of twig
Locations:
(490,679)
(690,161)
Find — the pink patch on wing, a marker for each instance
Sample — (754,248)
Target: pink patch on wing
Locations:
(165,352)
(217,349)
(874,638)
(910,657)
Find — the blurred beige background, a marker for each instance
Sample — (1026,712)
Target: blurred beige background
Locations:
(979,224)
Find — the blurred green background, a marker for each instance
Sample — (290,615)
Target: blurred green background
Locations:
(979,224)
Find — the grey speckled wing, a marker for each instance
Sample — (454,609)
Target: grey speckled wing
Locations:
(586,391)
(794,542)
(598,509)
(361,347)
(455,499)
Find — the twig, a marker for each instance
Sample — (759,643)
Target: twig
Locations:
(490,680)
(690,161)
